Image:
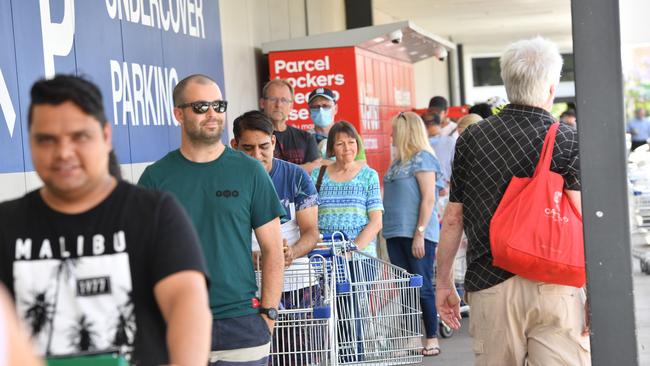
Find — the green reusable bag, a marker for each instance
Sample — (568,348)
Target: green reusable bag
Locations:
(104,359)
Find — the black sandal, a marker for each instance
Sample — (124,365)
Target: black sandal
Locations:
(435,351)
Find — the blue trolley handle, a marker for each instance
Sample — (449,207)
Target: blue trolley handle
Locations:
(334,236)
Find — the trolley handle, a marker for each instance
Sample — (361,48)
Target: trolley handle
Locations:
(339,240)
(335,236)
(324,252)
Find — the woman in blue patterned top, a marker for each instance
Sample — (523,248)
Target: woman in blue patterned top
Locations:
(411,225)
(350,199)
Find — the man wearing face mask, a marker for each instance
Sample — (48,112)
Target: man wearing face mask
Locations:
(323,107)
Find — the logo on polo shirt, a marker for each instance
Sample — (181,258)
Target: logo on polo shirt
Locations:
(228,193)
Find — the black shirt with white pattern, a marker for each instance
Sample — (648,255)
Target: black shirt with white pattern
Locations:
(488,154)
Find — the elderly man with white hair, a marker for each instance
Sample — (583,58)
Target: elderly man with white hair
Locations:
(515,321)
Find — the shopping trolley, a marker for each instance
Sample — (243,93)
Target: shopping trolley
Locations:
(377,308)
(304,330)
(639,177)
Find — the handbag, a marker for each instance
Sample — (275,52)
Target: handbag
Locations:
(536,231)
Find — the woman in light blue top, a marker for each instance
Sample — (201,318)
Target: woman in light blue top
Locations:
(411,225)
(350,198)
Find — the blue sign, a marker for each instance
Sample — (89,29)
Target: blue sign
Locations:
(135,51)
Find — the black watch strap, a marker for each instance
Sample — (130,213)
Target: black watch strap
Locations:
(272,313)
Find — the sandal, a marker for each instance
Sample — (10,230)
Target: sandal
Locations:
(431,351)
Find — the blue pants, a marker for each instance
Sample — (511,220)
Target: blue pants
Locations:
(399,251)
(240,341)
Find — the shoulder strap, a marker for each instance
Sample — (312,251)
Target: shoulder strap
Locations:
(546,156)
(319,180)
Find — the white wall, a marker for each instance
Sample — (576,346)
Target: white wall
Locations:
(325,16)
(431,78)
(634,22)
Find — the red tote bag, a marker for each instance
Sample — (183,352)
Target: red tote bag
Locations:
(536,232)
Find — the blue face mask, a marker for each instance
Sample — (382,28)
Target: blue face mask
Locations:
(433,141)
(322,117)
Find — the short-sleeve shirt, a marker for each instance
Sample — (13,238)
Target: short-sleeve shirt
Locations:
(295,146)
(226,199)
(294,187)
(402,197)
(640,129)
(296,192)
(488,154)
(444,147)
(344,206)
(87,279)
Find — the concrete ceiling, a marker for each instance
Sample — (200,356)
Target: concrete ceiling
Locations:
(483,23)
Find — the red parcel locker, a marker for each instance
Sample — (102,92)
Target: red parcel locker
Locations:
(371,70)
(366,93)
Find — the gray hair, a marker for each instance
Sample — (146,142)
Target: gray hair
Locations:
(529,68)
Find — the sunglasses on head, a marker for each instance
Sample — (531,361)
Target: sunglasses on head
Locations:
(201,107)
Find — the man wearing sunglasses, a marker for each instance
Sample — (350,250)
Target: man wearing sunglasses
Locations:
(227,195)
(293,145)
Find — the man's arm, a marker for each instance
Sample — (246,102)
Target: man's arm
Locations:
(270,238)
(183,300)
(447,299)
(307,219)
(20,349)
(576,199)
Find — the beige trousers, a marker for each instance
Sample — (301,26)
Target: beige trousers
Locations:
(521,322)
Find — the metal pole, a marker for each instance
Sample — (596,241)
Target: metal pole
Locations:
(603,155)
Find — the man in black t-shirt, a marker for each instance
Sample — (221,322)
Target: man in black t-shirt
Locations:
(292,144)
(95,264)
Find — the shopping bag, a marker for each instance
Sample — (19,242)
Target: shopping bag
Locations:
(536,232)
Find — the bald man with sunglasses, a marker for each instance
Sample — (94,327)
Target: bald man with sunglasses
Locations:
(227,194)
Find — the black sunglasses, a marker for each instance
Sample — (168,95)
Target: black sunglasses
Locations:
(201,107)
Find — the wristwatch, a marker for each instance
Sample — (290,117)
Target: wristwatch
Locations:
(421,229)
(272,313)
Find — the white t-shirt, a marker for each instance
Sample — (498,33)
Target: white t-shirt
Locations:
(297,275)
(450,130)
